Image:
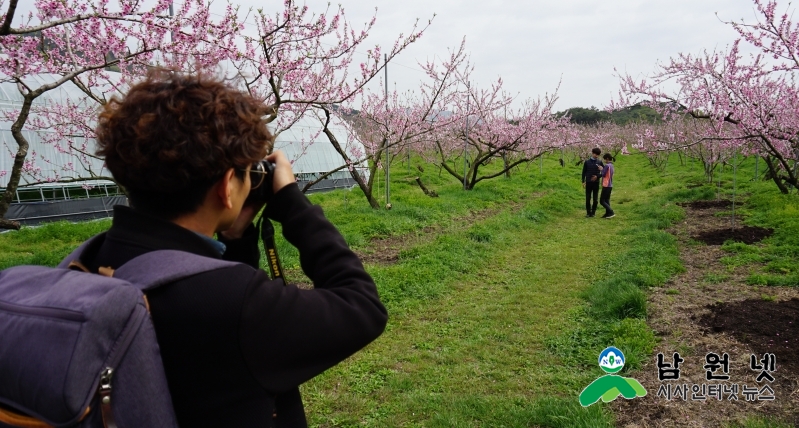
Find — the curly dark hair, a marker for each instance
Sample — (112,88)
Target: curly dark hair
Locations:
(174,135)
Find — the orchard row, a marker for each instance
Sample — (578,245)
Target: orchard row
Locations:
(302,63)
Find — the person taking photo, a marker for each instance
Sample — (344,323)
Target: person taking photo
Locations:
(235,344)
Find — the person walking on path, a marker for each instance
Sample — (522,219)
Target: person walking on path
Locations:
(607,185)
(592,168)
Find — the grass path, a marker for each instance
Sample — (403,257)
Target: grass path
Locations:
(476,355)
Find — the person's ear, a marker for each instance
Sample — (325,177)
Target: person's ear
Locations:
(224,189)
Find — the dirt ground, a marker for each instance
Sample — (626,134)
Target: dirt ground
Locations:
(711,309)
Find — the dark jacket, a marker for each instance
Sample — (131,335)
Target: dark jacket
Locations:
(235,344)
(592,168)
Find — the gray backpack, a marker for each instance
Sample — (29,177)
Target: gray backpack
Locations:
(79,349)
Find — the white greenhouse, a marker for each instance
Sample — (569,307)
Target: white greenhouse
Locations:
(41,198)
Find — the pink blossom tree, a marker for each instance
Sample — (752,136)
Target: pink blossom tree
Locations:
(745,100)
(491,128)
(301,62)
(579,139)
(390,125)
(98,48)
(297,61)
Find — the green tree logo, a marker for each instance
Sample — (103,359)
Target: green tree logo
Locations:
(610,386)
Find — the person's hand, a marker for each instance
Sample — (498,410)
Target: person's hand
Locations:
(283,175)
(583,184)
(243,221)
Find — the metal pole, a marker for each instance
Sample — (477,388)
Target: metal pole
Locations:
(466,140)
(171,14)
(385,142)
(734,173)
(757,161)
(377,180)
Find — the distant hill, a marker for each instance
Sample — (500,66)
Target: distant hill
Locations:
(592,115)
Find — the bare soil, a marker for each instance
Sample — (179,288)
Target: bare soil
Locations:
(703,205)
(710,308)
(745,234)
(771,327)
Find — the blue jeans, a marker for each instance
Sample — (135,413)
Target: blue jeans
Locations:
(604,200)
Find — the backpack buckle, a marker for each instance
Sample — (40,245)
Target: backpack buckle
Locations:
(105,398)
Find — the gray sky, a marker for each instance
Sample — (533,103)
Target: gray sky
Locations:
(533,44)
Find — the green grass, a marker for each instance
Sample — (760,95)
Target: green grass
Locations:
(473,352)
(46,245)
(499,321)
(484,342)
(644,256)
(773,261)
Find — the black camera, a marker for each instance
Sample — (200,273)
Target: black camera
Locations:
(261,179)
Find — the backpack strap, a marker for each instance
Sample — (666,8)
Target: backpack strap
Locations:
(149,270)
(89,246)
(156,268)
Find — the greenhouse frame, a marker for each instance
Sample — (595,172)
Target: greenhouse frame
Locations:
(42,198)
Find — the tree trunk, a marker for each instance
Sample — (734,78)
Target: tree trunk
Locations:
(430,193)
(367,189)
(19,162)
(505,162)
(454,173)
(774,174)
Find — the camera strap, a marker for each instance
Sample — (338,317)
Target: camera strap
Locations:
(267,231)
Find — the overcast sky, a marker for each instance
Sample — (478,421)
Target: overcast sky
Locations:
(533,44)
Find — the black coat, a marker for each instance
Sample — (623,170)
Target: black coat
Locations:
(592,169)
(235,344)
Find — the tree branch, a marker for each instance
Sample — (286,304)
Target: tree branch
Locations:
(6,28)
(71,19)
(328,174)
(510,167)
